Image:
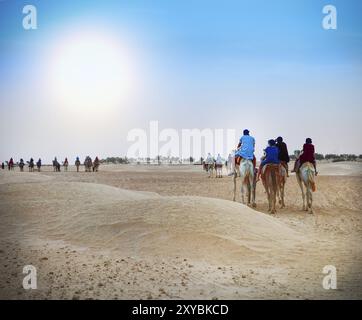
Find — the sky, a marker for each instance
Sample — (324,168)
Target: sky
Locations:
(93,71)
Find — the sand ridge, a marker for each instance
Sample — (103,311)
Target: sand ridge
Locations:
(173,234)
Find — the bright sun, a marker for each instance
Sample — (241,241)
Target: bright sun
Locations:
(90,71)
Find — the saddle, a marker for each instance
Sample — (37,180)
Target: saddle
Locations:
(238,160)
(273,166)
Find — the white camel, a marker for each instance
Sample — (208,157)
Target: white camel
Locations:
(247,175)
(305,176)
(218,166)
(209,165)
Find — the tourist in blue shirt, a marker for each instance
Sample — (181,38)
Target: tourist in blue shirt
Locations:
(271,155)
(246,148)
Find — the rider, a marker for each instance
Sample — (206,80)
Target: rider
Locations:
(307,155)
(218,159)
(209,159)
(271,155)
(21,164)
(38,164)
(77,163)
(245,148)
(283,153)
(11,163)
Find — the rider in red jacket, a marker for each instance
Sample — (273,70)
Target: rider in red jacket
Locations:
(307,155)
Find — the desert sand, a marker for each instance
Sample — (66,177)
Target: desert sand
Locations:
(169,232)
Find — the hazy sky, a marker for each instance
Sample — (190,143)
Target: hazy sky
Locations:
(94,70)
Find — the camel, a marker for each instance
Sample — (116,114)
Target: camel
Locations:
(88,164)
(209,165)
(38,165)
(77,164)
(31,165)
(21,165)
(209,168)
(248,178)
(10,164)
(271,178)
(218,170)
(95,165)
(65,164)
(56,165)
(305,175)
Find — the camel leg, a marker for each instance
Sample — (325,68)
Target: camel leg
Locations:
(242,192)
(234,181)
(305,199)
(253,188)
(309,199)
(272,197)
(269,199)
(282,204)
(274,203)
(249,193)
(301,188)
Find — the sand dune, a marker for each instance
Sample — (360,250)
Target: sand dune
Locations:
(100,216)
(91,238)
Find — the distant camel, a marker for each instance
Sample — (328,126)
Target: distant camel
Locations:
(270,177)
(209,168)
(31,165)
(38,165)
(248,179)
(218,169)
(65,164)
(11,164)
(95,165)
(305,176)
(21,165)
(56,165)
(88,164)
(77,164)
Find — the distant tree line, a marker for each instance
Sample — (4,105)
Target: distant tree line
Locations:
(175,160)
(334,157)
(115,160)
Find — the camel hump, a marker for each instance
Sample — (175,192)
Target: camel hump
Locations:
(307,165)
